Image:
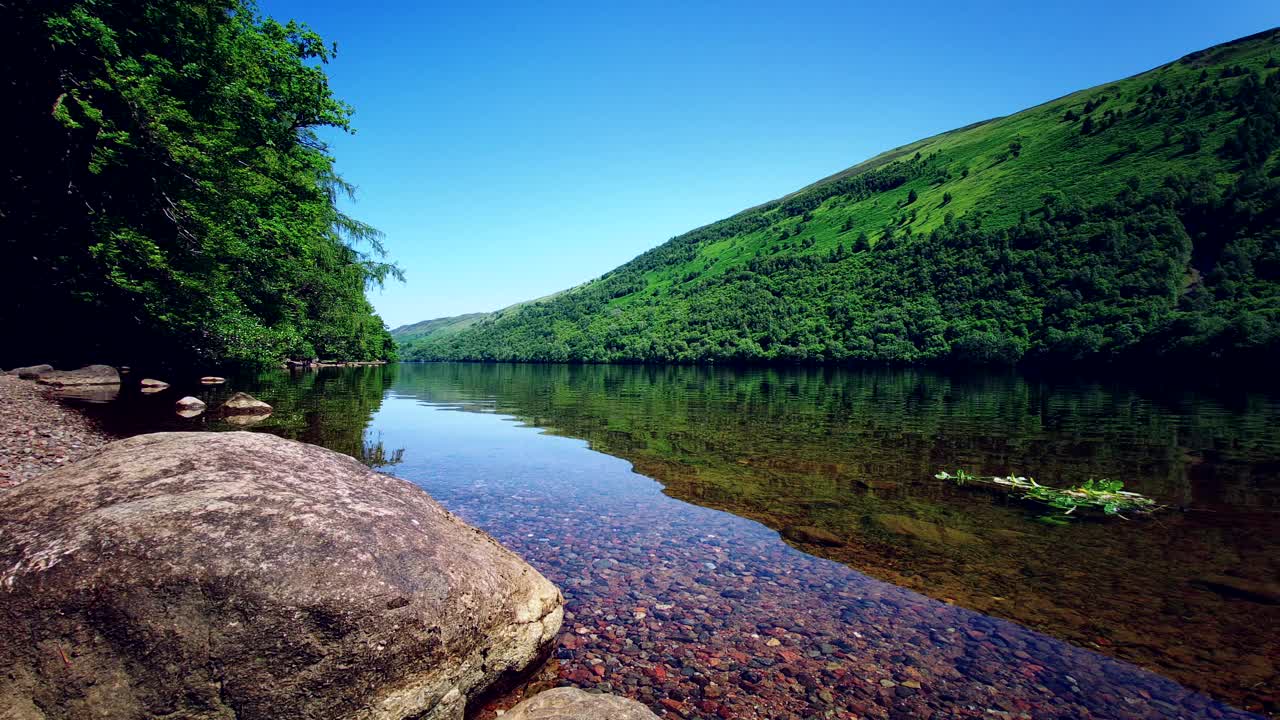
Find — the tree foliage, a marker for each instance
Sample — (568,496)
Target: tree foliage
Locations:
(167,197)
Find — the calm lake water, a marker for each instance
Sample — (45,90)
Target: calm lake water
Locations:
(666,503)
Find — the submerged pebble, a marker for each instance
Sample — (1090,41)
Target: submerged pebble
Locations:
(653,620)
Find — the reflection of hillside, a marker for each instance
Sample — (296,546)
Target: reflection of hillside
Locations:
(852,453)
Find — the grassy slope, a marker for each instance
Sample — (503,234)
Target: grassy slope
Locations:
(986,181)
(1054,157)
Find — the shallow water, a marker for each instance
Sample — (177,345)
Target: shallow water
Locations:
(938,601)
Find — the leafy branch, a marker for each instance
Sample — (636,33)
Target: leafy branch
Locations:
(1105,495)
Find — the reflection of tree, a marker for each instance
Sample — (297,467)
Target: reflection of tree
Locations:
(331,407)
(375,455)
(865,425)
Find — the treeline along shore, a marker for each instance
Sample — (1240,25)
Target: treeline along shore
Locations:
(166,198)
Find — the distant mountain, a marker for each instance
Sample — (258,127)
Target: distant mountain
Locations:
(439,327)
(1134,220)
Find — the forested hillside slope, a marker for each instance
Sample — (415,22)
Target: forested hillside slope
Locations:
(1137,219)
(164,196)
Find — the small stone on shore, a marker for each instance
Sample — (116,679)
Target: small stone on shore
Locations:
(189,406)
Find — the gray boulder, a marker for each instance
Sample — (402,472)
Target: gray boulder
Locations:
(568,703)
(245,404)
(30,372)
(88,375)
(220,575)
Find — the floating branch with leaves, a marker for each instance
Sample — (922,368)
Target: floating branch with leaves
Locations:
(1108,496)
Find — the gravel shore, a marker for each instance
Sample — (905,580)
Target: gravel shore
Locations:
(37,433)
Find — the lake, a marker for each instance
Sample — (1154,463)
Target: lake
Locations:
(772,543)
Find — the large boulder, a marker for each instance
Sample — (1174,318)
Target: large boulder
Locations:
(568,703)
(88,375)
(221,575)
(30,372)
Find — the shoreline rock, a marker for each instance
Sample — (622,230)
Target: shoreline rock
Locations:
(88,375)
(316,363)
(211,574)
(30,372)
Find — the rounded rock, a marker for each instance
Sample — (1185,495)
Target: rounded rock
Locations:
(151,385)
(567,703)
(206,575)
(189,406)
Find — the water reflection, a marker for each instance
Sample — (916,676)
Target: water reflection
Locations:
(702,613)
(332,407)
(852,455)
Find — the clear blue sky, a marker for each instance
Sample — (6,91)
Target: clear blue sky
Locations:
(509,151)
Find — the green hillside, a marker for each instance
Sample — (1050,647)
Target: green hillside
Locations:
(1134,219)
